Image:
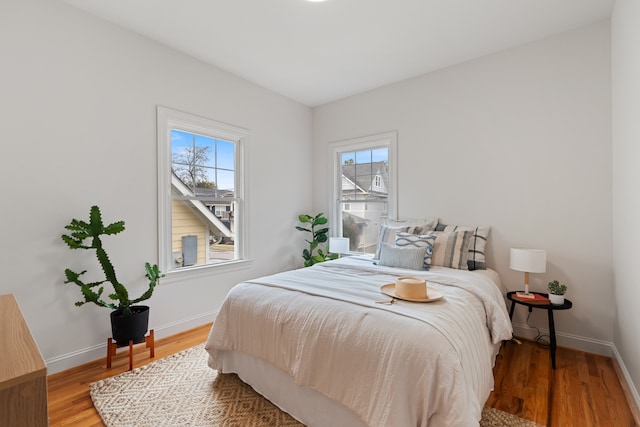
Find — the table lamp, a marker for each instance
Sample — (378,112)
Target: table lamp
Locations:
(529,261)
(339,245)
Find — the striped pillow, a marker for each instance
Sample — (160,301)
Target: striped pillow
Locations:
(451,249)
(477,257)
(402,257)
(418,241)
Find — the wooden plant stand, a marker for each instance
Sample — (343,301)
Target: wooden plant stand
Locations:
(112,347)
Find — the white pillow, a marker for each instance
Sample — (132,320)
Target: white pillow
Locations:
(402,257)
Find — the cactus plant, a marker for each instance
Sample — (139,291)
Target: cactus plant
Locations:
(80,231)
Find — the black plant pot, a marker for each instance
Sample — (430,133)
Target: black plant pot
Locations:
(130,328)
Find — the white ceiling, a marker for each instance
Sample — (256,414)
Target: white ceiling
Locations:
(319,52)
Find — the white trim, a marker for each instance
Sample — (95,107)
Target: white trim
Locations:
(577,342)
(200,271)
(168,119)
(386,139)
(630,391)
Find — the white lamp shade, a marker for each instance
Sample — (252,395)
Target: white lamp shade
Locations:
(528,260)
(339,245)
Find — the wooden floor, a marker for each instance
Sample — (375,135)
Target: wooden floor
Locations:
(583,390)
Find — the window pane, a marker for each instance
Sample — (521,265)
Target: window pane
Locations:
(206,184)
(179,142)
(204,151)
(226,183)
(380,155)
(360,223)
(222,246)
(225,158)
(348,177)
(363,156)
(348,158)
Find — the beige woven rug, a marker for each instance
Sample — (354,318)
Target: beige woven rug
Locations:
(181,390)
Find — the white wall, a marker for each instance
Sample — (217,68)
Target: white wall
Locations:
(77,106)
(519,140)
(626,179)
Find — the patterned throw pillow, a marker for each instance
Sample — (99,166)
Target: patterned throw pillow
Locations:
(390,227)
(451,249)
(477,257)
(402,257)
(418,241)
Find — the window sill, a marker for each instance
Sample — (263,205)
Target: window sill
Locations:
(204,271)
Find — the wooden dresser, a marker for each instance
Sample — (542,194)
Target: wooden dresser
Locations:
(23,374)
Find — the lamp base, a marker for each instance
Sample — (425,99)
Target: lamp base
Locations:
(526,295)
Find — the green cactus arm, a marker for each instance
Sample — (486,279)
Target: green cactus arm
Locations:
(107,267)
(91,296)
(153,274)
(114,228)
(121,294)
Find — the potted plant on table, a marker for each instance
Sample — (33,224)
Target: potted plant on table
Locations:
(556,292)
(129,322)
(315,254)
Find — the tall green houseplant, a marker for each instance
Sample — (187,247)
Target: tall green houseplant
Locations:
(81,231)
(318,237)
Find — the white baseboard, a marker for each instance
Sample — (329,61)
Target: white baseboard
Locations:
(630,391)
(99,351)
(576,342)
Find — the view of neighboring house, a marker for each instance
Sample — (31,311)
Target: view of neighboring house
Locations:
(364,202)
(202,233)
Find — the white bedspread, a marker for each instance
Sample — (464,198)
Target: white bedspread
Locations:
(406,364)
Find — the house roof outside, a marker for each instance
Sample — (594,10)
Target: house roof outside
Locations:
(358,179)
(199,207)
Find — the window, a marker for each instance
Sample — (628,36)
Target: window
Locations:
(377,183)
(363,172)
(200,191)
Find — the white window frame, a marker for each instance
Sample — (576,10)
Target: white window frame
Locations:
(168,119)
(388,140)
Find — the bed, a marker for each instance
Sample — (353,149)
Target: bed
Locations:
(323,344)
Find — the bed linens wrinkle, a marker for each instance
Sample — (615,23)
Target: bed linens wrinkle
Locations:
(361,353)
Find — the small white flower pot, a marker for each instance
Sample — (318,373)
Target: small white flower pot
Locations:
(556,299)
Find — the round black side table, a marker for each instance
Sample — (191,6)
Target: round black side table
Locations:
(511,296)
